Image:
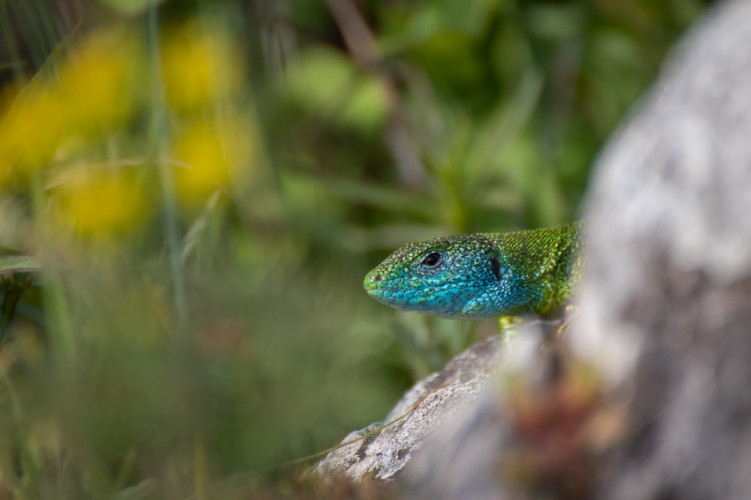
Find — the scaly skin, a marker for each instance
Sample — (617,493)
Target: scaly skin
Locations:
(485,275)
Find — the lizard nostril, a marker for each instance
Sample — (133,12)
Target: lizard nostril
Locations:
(377,278)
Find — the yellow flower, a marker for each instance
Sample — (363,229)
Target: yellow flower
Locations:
(93,91)
(31,129)
(100,202)
(5,168)
(96,82)
(6,165)
(210,157)
(199,66)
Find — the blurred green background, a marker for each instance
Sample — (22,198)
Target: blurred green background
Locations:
(206,184)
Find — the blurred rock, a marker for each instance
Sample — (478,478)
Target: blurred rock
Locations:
(529,432)
(666,303)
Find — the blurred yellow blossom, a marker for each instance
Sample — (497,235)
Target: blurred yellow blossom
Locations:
(210,156)
(5,167)
(100,202)
(97,81)
(31,128)
(199,66)
(93,91)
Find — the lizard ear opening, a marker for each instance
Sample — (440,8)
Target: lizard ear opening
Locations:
(495,266)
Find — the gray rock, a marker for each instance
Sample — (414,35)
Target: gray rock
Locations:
(666,302)
(483,454)
(382,449)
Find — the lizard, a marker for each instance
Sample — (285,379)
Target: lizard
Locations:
(484,275)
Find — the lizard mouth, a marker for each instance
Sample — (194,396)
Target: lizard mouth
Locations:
(401,292)
(401,299)
(377,294)
(376,284)
(446,300)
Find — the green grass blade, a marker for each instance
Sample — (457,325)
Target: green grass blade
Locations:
(12,264)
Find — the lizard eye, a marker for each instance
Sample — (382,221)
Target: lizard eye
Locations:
(431,260)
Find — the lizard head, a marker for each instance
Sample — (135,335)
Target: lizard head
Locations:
(450,277)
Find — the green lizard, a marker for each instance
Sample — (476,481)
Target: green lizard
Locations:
(485,275)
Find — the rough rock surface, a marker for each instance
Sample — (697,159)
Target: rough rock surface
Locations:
(384,448)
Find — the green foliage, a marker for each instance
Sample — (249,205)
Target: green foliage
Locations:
(204,219)
(353,101)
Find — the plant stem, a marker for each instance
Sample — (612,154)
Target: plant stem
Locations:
(159,153)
